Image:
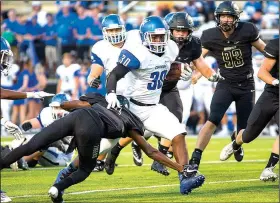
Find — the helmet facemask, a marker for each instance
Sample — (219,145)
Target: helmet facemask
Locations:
(114,37)
(155,45)
(226,27)
(6,59)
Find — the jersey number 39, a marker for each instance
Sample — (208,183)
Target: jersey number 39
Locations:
(157,80)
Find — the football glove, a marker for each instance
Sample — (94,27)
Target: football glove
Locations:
(12,129)
(186,72)
(275,82)
(38,95)
(215,77)
(112,100)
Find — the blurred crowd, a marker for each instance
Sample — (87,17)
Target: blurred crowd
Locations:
(57,45)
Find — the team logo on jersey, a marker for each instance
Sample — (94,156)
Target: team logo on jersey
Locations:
(95,151)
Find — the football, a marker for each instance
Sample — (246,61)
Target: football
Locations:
(175,71)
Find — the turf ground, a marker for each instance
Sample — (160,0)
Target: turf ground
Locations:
(225,181)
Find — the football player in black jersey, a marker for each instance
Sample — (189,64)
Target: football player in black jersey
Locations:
(266,107)
(230,42)
(181,27)
(91,115)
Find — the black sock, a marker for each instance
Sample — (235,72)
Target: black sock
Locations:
(162,149)
(116,150)
(32,163)
(273,160)
(196,156)
(235,146)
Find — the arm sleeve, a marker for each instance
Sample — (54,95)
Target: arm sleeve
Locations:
(119,72)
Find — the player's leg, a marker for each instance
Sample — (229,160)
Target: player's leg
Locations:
(265,108)
(88,145)
(268,174)
(170,99)
(55,131)
(221,100)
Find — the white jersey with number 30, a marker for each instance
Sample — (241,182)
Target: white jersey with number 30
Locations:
(148,69)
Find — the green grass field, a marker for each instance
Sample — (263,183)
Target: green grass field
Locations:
(225,181)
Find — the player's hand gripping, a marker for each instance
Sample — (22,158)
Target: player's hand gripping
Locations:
(12,129)
(215,77)
(112,100)
(186,72)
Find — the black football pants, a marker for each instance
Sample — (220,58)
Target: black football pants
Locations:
(266,107)
(242,93)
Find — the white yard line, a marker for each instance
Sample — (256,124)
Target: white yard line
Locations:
(135,188)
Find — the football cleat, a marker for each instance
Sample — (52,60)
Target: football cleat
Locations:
(158,167)
(4,197)
(22,164)
(187,184)
(137,154)
(190,170)
(55,195)
(268,175)
(110,164)
(239,154)
(99,166)
(227,152)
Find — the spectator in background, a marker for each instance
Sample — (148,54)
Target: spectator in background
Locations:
(138,22)
(50,35)
(21,35)
(41,15)
(256,19)
(19,107)
(95,28)
(272,7)
(33,105)
(36,44)
(65,24)
(271,17)
(61,4)
(164,7)
(67,73)
(82,33)
(128,25)
(250,7)
(8,28)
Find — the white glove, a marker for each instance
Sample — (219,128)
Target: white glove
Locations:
(12,129)
(186,72)
(112,100)
(275,82)
(38,95)
(215,77)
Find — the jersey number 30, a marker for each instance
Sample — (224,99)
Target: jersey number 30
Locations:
(157,80)
(233,58)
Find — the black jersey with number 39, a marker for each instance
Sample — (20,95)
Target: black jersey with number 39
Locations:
(233,54)
(271,50)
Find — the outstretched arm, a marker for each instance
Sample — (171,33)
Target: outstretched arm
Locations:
(154,153)
(13,95)
(70,105)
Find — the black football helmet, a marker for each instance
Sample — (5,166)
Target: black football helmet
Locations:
(227,8)
(181,21)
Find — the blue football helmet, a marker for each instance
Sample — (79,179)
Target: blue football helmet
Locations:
(154,34)
(113,21)
(6,57)
(57,111)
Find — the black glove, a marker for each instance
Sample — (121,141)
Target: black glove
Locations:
(95,82)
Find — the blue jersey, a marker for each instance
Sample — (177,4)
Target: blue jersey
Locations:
(20,77)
